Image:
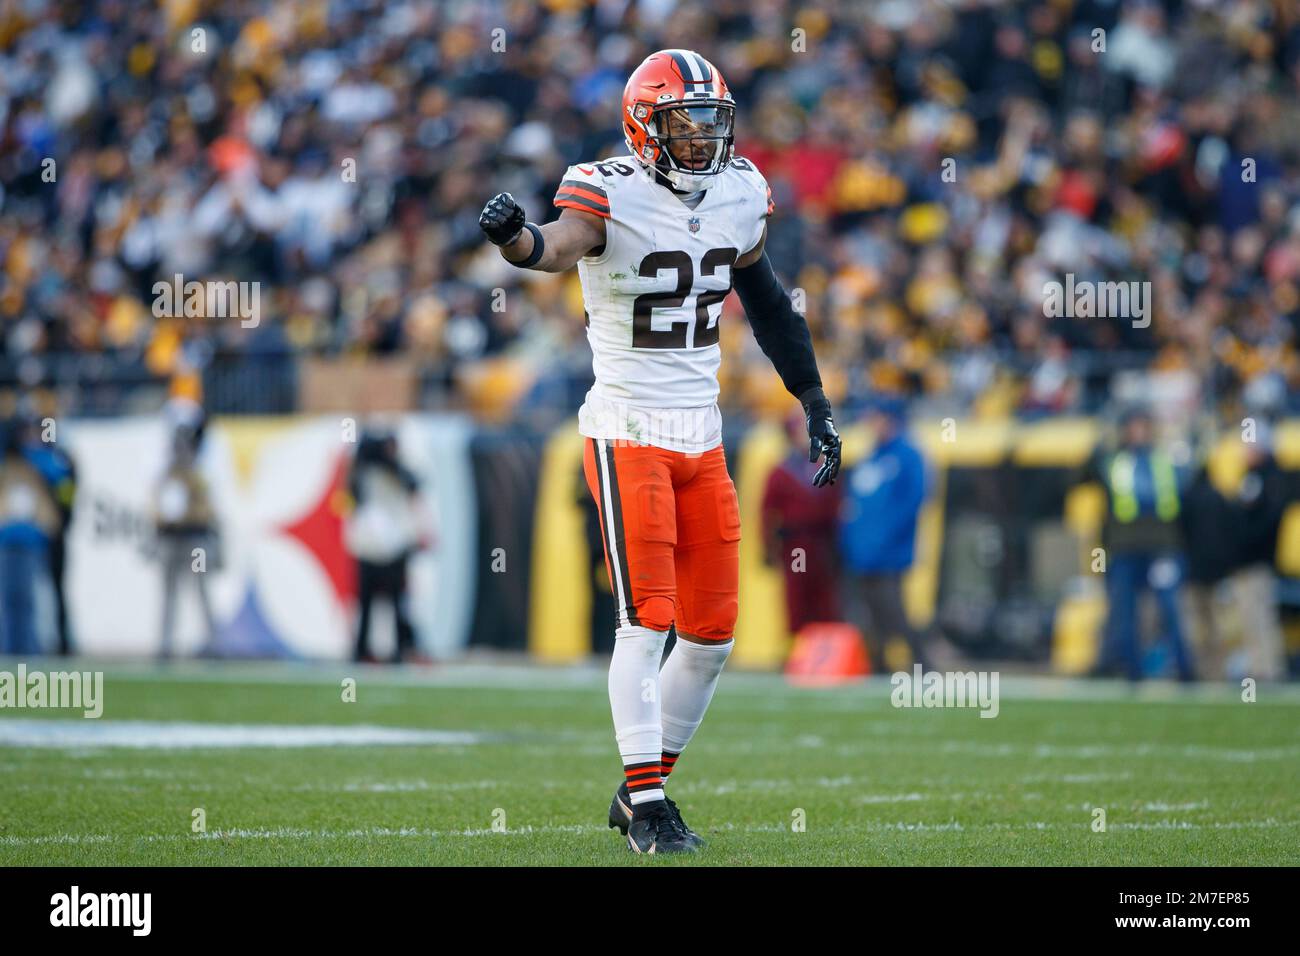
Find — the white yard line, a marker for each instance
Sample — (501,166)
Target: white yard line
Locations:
(290,833)
(1078,777)
(1068,751)
(305,833)
(417,786)
(180,735)
(77,734)
(873,798)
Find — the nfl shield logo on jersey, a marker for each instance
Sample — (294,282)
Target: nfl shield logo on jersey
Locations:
(694,223)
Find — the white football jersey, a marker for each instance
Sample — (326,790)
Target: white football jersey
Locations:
(654,297)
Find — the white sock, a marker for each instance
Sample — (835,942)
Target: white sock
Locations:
(689,677)
(634,694)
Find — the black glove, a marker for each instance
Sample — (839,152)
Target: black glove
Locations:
(502,219)
(823,439)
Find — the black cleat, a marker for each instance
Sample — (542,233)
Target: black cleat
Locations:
(691,835)
(620,809)
(658,832)
(620,815)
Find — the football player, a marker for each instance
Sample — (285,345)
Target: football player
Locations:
(660,237)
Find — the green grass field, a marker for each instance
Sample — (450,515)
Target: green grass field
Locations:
(1190,778)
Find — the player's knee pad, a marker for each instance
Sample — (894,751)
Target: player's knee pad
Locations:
(705,657)
(648,637)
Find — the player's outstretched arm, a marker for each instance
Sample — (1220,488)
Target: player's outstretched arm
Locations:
(783,336)
(554,247)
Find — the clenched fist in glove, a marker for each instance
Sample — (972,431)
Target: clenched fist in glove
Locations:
(502,219)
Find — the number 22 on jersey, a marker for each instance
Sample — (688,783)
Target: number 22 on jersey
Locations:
(697,330)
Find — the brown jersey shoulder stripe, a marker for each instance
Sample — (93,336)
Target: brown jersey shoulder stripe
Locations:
(590,189)
(583,192)
(572,200)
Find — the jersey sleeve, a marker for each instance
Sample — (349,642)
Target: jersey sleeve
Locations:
(583,188)
(762,203)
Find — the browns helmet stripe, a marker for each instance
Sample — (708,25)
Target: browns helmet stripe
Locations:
(683,67)
(693,68)
(701,64)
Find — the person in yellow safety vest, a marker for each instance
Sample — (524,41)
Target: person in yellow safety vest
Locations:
(1143,547)
(1123,475)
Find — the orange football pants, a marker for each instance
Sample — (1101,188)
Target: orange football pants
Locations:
(671,528)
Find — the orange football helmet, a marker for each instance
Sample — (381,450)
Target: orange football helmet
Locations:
(679,118)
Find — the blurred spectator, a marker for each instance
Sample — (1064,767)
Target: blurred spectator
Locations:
(382,534)
(1052,388)
(185,414)
(1211,527)
(1262,499)
(1143,545)
(799,531)
(60,473)
(188,547)
(883,495)
(29,519)
(339,154)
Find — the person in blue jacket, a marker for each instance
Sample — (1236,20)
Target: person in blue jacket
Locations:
(882,499)
(28,520)
(60,473)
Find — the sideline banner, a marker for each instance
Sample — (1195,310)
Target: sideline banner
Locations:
(281,582)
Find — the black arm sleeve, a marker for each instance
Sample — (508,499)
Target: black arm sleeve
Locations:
(781,332)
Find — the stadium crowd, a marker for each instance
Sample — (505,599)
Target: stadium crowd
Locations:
(934,164)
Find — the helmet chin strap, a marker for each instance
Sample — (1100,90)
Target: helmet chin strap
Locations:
(673,180)
(662,179)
